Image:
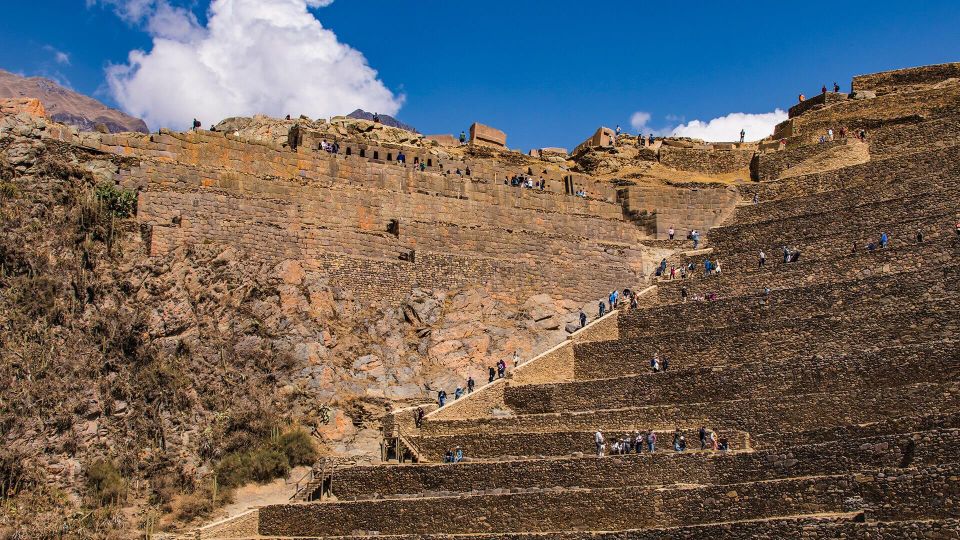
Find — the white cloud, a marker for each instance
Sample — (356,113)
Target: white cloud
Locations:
(727,128)
(639,121)
(59,56)
(253,56)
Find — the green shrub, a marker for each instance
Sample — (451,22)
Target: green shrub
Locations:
(233,470)
(119,202)
(298,446)
(105,483)
(269,460)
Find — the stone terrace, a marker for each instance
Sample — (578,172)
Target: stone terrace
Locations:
(838,391)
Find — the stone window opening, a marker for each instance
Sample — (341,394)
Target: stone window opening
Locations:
(393,227)
(363,153)
(389,156)
(376,154)
(349,151)
(429,163)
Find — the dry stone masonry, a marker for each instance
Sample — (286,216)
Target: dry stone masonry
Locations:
(834,379)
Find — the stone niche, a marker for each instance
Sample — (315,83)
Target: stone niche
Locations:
(486,135)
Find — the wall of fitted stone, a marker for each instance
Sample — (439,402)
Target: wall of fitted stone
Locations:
(939,163)
(822,99)
(771,165)
(333,212)
(815,528)
(889,366)
(902,79)
(842,454)
(751,415)
(684,207)
(706,160)
(601,509)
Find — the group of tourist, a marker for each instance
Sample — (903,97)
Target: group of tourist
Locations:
(626,300)
(453,455)
(526,182)
(498,371)
(657,364)
(884,241)
(790,255)
(842,134)
(646,441)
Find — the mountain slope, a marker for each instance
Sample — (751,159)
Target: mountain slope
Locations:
(67,106)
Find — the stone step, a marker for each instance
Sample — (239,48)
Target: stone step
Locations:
(917,322)
(847,525)
(664,467)
(774,378)
(801,412)
(628,507)
(743,277)
(847,297)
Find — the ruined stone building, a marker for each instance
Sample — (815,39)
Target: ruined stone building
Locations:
(833,379)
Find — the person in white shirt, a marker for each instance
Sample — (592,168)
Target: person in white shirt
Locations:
(598,438)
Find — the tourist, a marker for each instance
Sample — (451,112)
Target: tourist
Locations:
(713,440)
(458,455)
(854,249)
(871,246)
(695,236)
(703,437)
(442,397)
(673,272)
(583,318)
(801,98)
(613,300)
(919,236)
(448,457)
(723,444)
(651,441)
(598,439)
(463,138)
(683,272)
(706,267)
(633,301)
(458,393)
(884,240)
(676,440)
(795,255)
(213,128)
(683,293)
(716,268)
(650,140)
(763,259)
(683,444)
(836,87)
(196,124)
(423,166)
(743,134)
(637,442)
(823,89)
(665,364)
(756,198)
(501,368)
(492,374)
(843,132)
(418,417)
(830,134)
(470,384)
(603,309)
(671,232)
(786,254)
(655,363)
(516,359)
(401,158)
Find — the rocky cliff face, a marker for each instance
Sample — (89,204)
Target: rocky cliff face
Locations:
(165,365)
(66,106)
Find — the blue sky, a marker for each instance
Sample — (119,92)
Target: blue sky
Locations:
(547,73)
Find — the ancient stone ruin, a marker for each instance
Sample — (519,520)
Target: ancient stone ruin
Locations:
(816,398)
